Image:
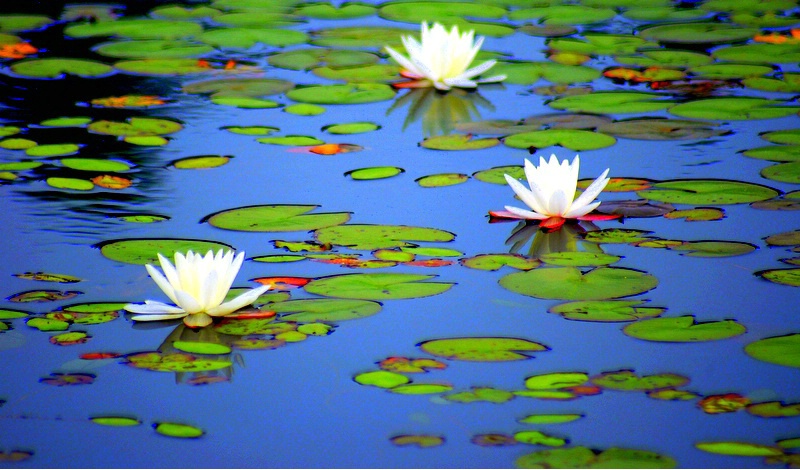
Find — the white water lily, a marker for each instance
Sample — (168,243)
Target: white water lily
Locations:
(198,286)
(551,196)
(443,58)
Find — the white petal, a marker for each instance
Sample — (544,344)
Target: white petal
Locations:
(151,307)
(162,282)
(240,301)
(404,63)
(187,302)
(492,79)
(169,270)
(475,71)
(581,211)
(591,192)
(157,317)
(525,214)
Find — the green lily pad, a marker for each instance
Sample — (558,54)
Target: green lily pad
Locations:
(55,67)
(787,136)
(496,175)
(239,87)
(177,12)
(245,102)
(115,421)
(738,448)
(198,347)
(174,362)
(52,150)
(784,239)
(421,389)
(787,277)
(76,121)
(784,172)
(612,102)
(353,93)
(275,218)
(574,139)
(8,314)
(539,438)
(760,53)
(250,130)
(19,166)
(177,66)
(74,184)
(707,192)
(714,249)
(660,129)
(601,44)
(698,33)
(136,126)
(416,12)
(47,324)
(304,109)
(6,131)
(578,258)
(144,250)
(17,144)
(360,36)
(617,235)
(606,310)
(245,38)
(729,71)
(493,262)
(733,108)
(583,457)
(564,14)
(381,379)
(135,29)
(15,23)
(482,349)
(556,380)
(781,350)
(528,73)
(373,237)
(683,329)
(569,283)
(374,173)
(306,59)
(774,409)
(325,11)
(200,162)
(626,380)
(458,142)
(377,286)
(153,49)
(480,394)
(183,431)
(324,310)
(441,180)
(665,58)
(291,140)
(550,418)
(351,128)
(95,164)
(369,73)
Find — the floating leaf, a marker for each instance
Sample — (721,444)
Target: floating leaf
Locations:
(377,286)
(203,161)
(351,128)
(304,109)
(729,71)
(245,102)
(46,324)
(569,283)
(714,249)
(582,457)
(353,93)
(488,349)
(556,380)
(441,180)
(153,48)
(698,214)
(48,277)
(359,36)
(55,67)
(372,237)
(550,419)
(626,380)
(77,121)
(145,250)
(8,314)
(115,421)
(539,438)
(612,102)
(183,431)
(683,329)
(606,310)
(325,310)
(17,144)
(496,175)
(775,153)
(493,262)
(331,12)
(374,173)
(275,218)
(617,235)
(660,129)
(135,29)
(95,164)
(136,126)
(418,440)
(601,44)
(370,73)
(421,389)
(480,394)
(707,192)
(578,258)
(458,142)
(734,108)
(381,379)
(71,338)
(781,350)
(410,366)
(784,172)
(174,362)
(774,409)
(698,33)
(573,139)
(787,277)
(163,66)
(528,73)
(291,140)
(197,347)
(759,53)
(738,448)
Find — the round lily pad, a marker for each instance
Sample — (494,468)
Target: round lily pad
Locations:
(245,102)
(660,129)
(144,250)
(52,150)
(734,108)
(626,380)
(275,218)
(441,180)
(564,14)
(784,172)
(330,12)
(244,38)
(528,73)
(781,350)
(578,258)
(496,175)
(136,126)
(69,183)
(760,53)
(728,71)
(306,59)
(377,286)
(183,431)
(601,44)
(369,73)
(176,66)
(698,33)
(707,192)
(76,121)
(304,109)
(683,329)
(351,128)
(135,29)
(200,162)
(373,237)
(324,310)
(569,283)
(482,349)
(458,142)
(583,457)
(18,22)
(95,164)
(787,277)
(606,310)
(738,448)
(374,173)
(116,421)
(714,249)
(153,48)
(353,93)
(574,139)
(291,140)
(612,102)
(55,67)
(360,36)
(253,87)
(381,379)
(198,347)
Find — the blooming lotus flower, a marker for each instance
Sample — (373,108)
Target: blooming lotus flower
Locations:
(553,186)
(198,286)
(443,58)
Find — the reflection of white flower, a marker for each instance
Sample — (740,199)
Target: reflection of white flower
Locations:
(443,58)
(552,192)
(198,286)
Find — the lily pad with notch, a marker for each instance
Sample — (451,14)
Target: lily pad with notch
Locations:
(606,310)
(57,68)
(684,329)
(377,286)
(573,139)
(483,349)
(373,237)
(569,283)
(707,192)
(145,250)
(275,218)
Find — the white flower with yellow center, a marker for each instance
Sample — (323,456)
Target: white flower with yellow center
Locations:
(443,58)
(551,196)
(198,286)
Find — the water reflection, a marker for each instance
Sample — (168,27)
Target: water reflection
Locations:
(568,238)
(440,112)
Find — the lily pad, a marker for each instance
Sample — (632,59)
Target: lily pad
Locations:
(601,44)
(528,73)
(136,126)
(199,347)
(578,258)
(381,379)
(377,286)
(326,11)
(135,29)
(360,36)
(612,102)
(564,14)
(493,262)
(683,329)
(252,87)
(738,448)
(115,421)
(52,150)
(714,249)
(351,128)
(245,38)
(733,108)
(496,175)
(784,172)
(458,142)
(661,129)
(275,218)
(74,184)
(787,277)
(698,33)
(353,93)
(760,53)
(781,350)
(583,457)
(370,73)
(441,180)
(324,310)
(606,310)
(539,438)
(200,162)
(373,237)
(55,68)
(574,139)
(569,283)
(145,250)
(291,140)
(626,380)
(707,192)
(729,71)
(482,349)
(95,164)
(177,66)
(183,431)
(480,394)
(153,49)
(306,59)
(374,173)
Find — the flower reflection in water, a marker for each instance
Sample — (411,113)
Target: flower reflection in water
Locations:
(440,113)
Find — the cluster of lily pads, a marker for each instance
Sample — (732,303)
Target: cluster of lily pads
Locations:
(693,67)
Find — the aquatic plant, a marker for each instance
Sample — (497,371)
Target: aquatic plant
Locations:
(198,286)
(442,59)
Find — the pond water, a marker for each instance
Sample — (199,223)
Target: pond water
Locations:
(457,359)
